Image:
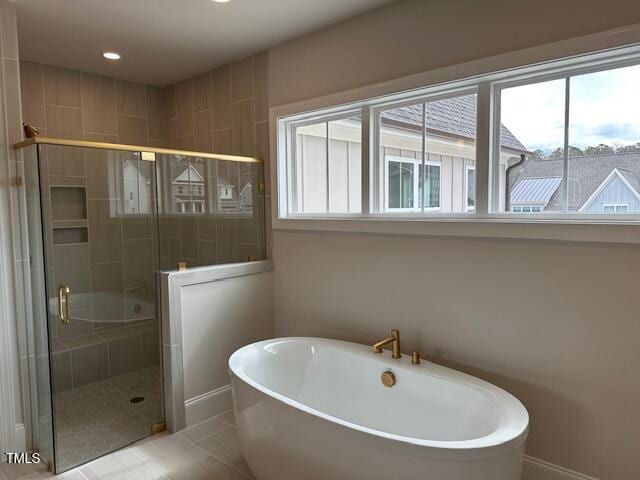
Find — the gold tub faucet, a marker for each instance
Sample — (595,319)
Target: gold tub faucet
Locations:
(394,340)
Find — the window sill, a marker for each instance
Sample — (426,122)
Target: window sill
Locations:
(595,229)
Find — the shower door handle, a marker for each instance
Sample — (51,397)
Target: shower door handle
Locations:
(64,304)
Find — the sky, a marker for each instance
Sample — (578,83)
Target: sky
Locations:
(604,108)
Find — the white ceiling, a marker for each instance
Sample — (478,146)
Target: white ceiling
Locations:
(162,41)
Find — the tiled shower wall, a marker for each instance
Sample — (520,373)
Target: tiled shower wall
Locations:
(119,254)
(224,111)
(84,106)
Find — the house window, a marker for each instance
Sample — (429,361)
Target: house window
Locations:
(405,179)
(615,208)
(557,139)
(471,187)
(526,208)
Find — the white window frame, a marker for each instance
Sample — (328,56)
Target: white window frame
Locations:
(613,50)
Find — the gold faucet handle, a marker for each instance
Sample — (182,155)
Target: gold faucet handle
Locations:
(415,358)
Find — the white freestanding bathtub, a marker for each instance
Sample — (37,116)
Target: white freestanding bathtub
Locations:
(316,409)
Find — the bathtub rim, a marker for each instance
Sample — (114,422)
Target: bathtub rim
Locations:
(500,440)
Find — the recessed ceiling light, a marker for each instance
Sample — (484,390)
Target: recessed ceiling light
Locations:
(111,55)
(220,1)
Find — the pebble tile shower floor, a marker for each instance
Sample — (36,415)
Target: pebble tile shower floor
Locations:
(209,450)
(100,417)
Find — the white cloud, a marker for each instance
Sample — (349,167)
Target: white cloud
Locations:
(604,108)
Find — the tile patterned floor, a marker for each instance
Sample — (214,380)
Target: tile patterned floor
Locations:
(209,450)
(100,417)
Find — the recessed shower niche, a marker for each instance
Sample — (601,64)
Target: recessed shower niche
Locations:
(69,214)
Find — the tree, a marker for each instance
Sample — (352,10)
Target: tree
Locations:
(629,148)
(601,149)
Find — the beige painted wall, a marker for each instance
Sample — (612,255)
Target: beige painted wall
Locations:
(556,324)
(414,36)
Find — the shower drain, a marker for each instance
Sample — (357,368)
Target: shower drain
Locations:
(137,399)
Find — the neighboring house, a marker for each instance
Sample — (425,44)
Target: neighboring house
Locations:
(136,188)
(227,201)
(246,198)
(188,191)
(449,179)
(596,184)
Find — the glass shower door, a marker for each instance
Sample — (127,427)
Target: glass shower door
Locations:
(101,262)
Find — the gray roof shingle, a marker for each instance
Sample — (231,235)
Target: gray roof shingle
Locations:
(454,116)
(585,175)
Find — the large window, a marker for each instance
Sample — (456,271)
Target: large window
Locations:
(582,133)
(556,140)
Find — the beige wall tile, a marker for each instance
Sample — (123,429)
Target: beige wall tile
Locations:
(64,161)
(207,226)
(138,264)
(105,233)
(244,142)
(221,97)
(169,95)
(98,104)
(97,168)
(8,31)
(131,98)
(261,66)
(242,79)
(184,98)
(73,268)
(61,87)
(184,125)
(184,108)
(100,137)
(170,136)
(222,142)
(63,122)
(203,136)
(107,278)
(202,92)
(132,130)
(155,114)
(32,93)
(186,143)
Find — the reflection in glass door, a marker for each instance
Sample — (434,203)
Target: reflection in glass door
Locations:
(100,249)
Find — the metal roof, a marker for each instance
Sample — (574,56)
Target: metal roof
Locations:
(535,191)
(456,115)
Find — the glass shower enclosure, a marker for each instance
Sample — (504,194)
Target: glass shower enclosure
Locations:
(102,220)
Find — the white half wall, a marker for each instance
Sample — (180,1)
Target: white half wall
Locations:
(218,318)
(208,313)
